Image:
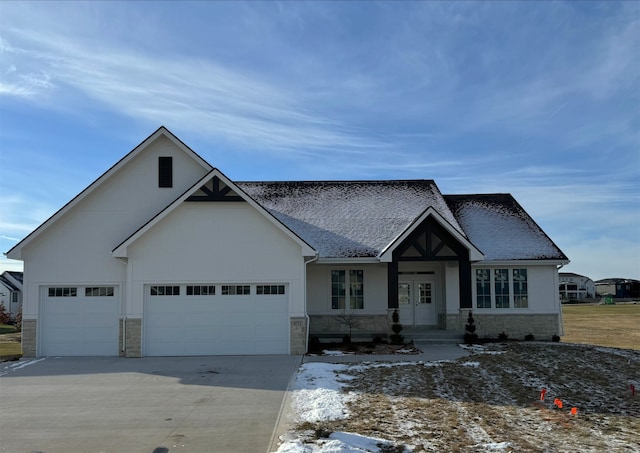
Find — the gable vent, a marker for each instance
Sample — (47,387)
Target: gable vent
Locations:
(165,171)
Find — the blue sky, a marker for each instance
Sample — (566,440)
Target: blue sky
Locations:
(538,99)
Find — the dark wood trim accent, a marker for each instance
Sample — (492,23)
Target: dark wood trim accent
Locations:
(392,282)
(464,277)
(217,194)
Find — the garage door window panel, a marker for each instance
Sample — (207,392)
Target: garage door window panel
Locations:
(201,290)
(63,292)
(165,290)
(99,291)
(236,290)
(265,290)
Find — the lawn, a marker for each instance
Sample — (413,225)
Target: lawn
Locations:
(487,402)
(10,346)
(615,326)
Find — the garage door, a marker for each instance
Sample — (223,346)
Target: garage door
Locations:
(210,319)
(79,321)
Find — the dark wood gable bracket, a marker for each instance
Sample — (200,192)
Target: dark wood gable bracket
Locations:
(215,190)
(431,242)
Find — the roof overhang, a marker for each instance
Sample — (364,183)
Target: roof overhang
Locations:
(386,255)
(121,251)
(540,262)
(15,252)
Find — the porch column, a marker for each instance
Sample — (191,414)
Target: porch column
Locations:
(392,282)
(464,277)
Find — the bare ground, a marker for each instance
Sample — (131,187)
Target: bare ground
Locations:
(491,400)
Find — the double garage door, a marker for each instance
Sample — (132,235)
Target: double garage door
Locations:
(205,319)
(214,319)
(79,321)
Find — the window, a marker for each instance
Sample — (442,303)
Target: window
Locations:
(520,296)
(165,171)
(201,290)
(99,291)
(14,297)
(503,288)
(269,289)
(341,280)
(424,293)
(483,288)
(165,290)
(63,292)
(235,290)
(501,285)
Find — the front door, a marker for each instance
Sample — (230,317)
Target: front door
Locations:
(416,301)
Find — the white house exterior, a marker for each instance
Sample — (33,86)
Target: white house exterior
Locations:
(164,255)
(11,292)
(576,287)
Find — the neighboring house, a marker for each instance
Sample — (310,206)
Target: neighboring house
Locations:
(11,292)
(619,288)
(575,287)
(165,255)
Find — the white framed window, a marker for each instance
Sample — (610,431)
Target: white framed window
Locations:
(98,291)
(165,290)
(501,288)
(63,292)
(483,288)
(269,289)
(347,289)
(235,290)
(201,290)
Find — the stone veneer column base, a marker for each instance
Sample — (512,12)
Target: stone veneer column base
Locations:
(298,335)
(29,337)
(516,326)
(133,337)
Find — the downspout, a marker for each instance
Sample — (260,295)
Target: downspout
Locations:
(306,315)
(559,302)
(124,310)
(124,334)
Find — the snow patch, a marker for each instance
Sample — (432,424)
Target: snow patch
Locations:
(19,365)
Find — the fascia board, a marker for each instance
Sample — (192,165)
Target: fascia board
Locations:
(386,255)
(16,251)
(367,260)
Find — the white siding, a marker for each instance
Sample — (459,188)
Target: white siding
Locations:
(221,242)
(319,288)
(77,247)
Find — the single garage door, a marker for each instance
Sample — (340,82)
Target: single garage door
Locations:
(214,319)
(79,321)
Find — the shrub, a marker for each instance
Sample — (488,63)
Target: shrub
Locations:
(346,339)
(529,337)
(503,336)
(396,338)
(5,316)
(377,339)
(555,338)
(470,336)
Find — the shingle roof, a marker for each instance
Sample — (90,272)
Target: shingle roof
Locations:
(347,219)
(8,283)
(498,226)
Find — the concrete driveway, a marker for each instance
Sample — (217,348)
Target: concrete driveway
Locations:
(148,405)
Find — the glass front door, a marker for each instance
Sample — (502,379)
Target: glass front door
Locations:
(416,302)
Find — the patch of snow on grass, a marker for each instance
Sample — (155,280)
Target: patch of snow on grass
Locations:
(318,394)
(471,364)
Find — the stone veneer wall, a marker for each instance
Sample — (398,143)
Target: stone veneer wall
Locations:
(29,337)
(516,326)
(134,338)
(298,336)
(369,326)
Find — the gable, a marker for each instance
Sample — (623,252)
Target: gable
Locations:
(430,237)
(129,188)
(213,187)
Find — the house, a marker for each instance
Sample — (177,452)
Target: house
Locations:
(11,292)
(575,287)
(164,255)
(619,288)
